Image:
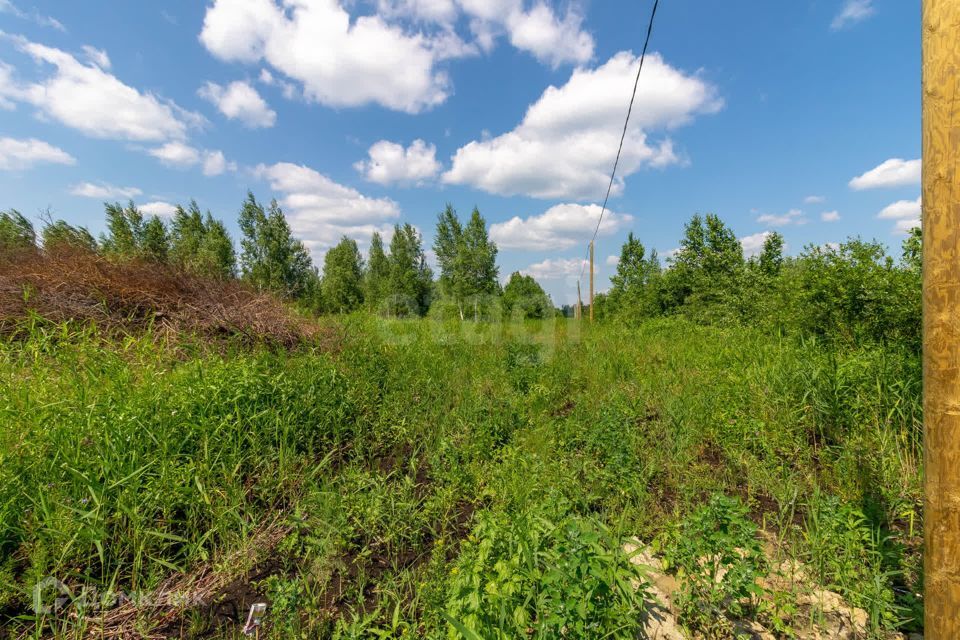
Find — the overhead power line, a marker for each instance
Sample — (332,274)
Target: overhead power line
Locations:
(623,136)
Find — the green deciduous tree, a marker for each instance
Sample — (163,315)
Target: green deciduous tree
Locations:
(854,293)
(271,258)
(912,248)
(129,235)
(59,235)
(16,232)
(771,258)
(410,279)
(723,254)
(201,244)
(759,291)
(910,284)
(481,257)
(706,269)
(634,289)
(187,231)
(376,280)
(342,282)
(524,296)
(467,259)
(154,242)
(216,251)
(311,299)
(124,231)
(448,246)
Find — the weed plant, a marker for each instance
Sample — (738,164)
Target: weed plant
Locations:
(437,479)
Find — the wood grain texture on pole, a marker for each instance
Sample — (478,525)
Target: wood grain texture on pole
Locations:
(941,318)
(591,281)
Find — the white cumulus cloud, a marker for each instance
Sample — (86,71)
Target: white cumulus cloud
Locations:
(239,101)
(548,37)
(814,200)
(392,57)
(565,145)
(320,210)
(559,227)
(214,163)
(104,191)
(340,61)
(903,227)
(439,11)
(557,268)
(16,154)
(98,57)
(158,208)
(793,216)
(539,29)
(390,163)
(753,244)
(176,154)
(91,100)
(901,209)
(907,214)
(852,12)
(894,172)
(183,156)
(830,216)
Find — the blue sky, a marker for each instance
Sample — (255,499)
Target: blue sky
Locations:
(801,117)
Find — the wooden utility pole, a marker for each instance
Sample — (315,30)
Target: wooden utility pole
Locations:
(941,310)
(591,281)
(578,313)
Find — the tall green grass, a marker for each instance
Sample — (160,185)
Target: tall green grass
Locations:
(123,463)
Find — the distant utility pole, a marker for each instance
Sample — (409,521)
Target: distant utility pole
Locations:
(941,318)
(579,303)
(591,281)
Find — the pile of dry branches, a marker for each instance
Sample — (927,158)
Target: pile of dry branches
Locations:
(133,296)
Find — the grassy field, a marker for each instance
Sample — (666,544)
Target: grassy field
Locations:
(419,479)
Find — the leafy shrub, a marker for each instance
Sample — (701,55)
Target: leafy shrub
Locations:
(540,576)
(855,293)
(606,449)
(850,294)
(524,365)
(717,556)
(850,556)
(286,598)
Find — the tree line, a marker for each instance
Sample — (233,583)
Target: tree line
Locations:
(852,292)
(395,280)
